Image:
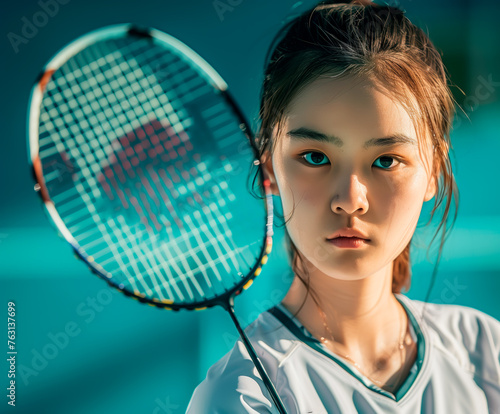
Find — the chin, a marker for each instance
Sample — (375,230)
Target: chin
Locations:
(347,271)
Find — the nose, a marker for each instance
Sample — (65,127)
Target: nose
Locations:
(350,197)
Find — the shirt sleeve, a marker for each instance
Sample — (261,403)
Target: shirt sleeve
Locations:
(232,385)
(483,343)
(494,339)
(481,336)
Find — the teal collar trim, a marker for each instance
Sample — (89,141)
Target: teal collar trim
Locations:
(297,329)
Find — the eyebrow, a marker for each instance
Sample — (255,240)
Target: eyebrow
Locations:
(303,134)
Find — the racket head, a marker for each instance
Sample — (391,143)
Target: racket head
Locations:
(88,133)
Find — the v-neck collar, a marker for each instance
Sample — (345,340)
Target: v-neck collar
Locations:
(297,329)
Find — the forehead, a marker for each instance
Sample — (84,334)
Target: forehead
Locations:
(348,107)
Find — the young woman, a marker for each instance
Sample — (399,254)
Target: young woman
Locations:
(354,137)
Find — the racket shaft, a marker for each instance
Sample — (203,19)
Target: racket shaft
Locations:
(272,390)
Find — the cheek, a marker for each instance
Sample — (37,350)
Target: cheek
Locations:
(309,186)
(307,196)
(400,200)
(310,196)
(295,185)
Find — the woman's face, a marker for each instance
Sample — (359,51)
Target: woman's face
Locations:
(360,168)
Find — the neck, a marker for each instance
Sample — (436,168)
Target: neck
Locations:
(363,315)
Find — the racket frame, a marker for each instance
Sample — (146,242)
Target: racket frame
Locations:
(40,186)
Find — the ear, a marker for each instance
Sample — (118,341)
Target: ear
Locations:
(431,189)
(267,167)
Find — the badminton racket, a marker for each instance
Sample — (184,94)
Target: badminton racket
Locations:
(143,160)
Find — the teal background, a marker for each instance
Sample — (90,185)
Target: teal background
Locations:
(125,357)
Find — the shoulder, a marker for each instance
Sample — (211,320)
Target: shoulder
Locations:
(233,383)
(470,335)
(459,320)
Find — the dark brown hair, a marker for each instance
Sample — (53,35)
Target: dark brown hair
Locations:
(364,39)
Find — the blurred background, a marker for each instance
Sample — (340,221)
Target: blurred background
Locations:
(83,348)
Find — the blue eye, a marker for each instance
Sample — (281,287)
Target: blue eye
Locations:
(386,162)
(313,157)
(317,159)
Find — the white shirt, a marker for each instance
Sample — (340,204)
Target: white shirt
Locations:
(457,369)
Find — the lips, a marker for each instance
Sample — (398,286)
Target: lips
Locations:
(348,233)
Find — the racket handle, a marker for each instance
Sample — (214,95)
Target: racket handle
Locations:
(276,398)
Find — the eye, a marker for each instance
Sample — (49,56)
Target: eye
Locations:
(386,162)
(315,158)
